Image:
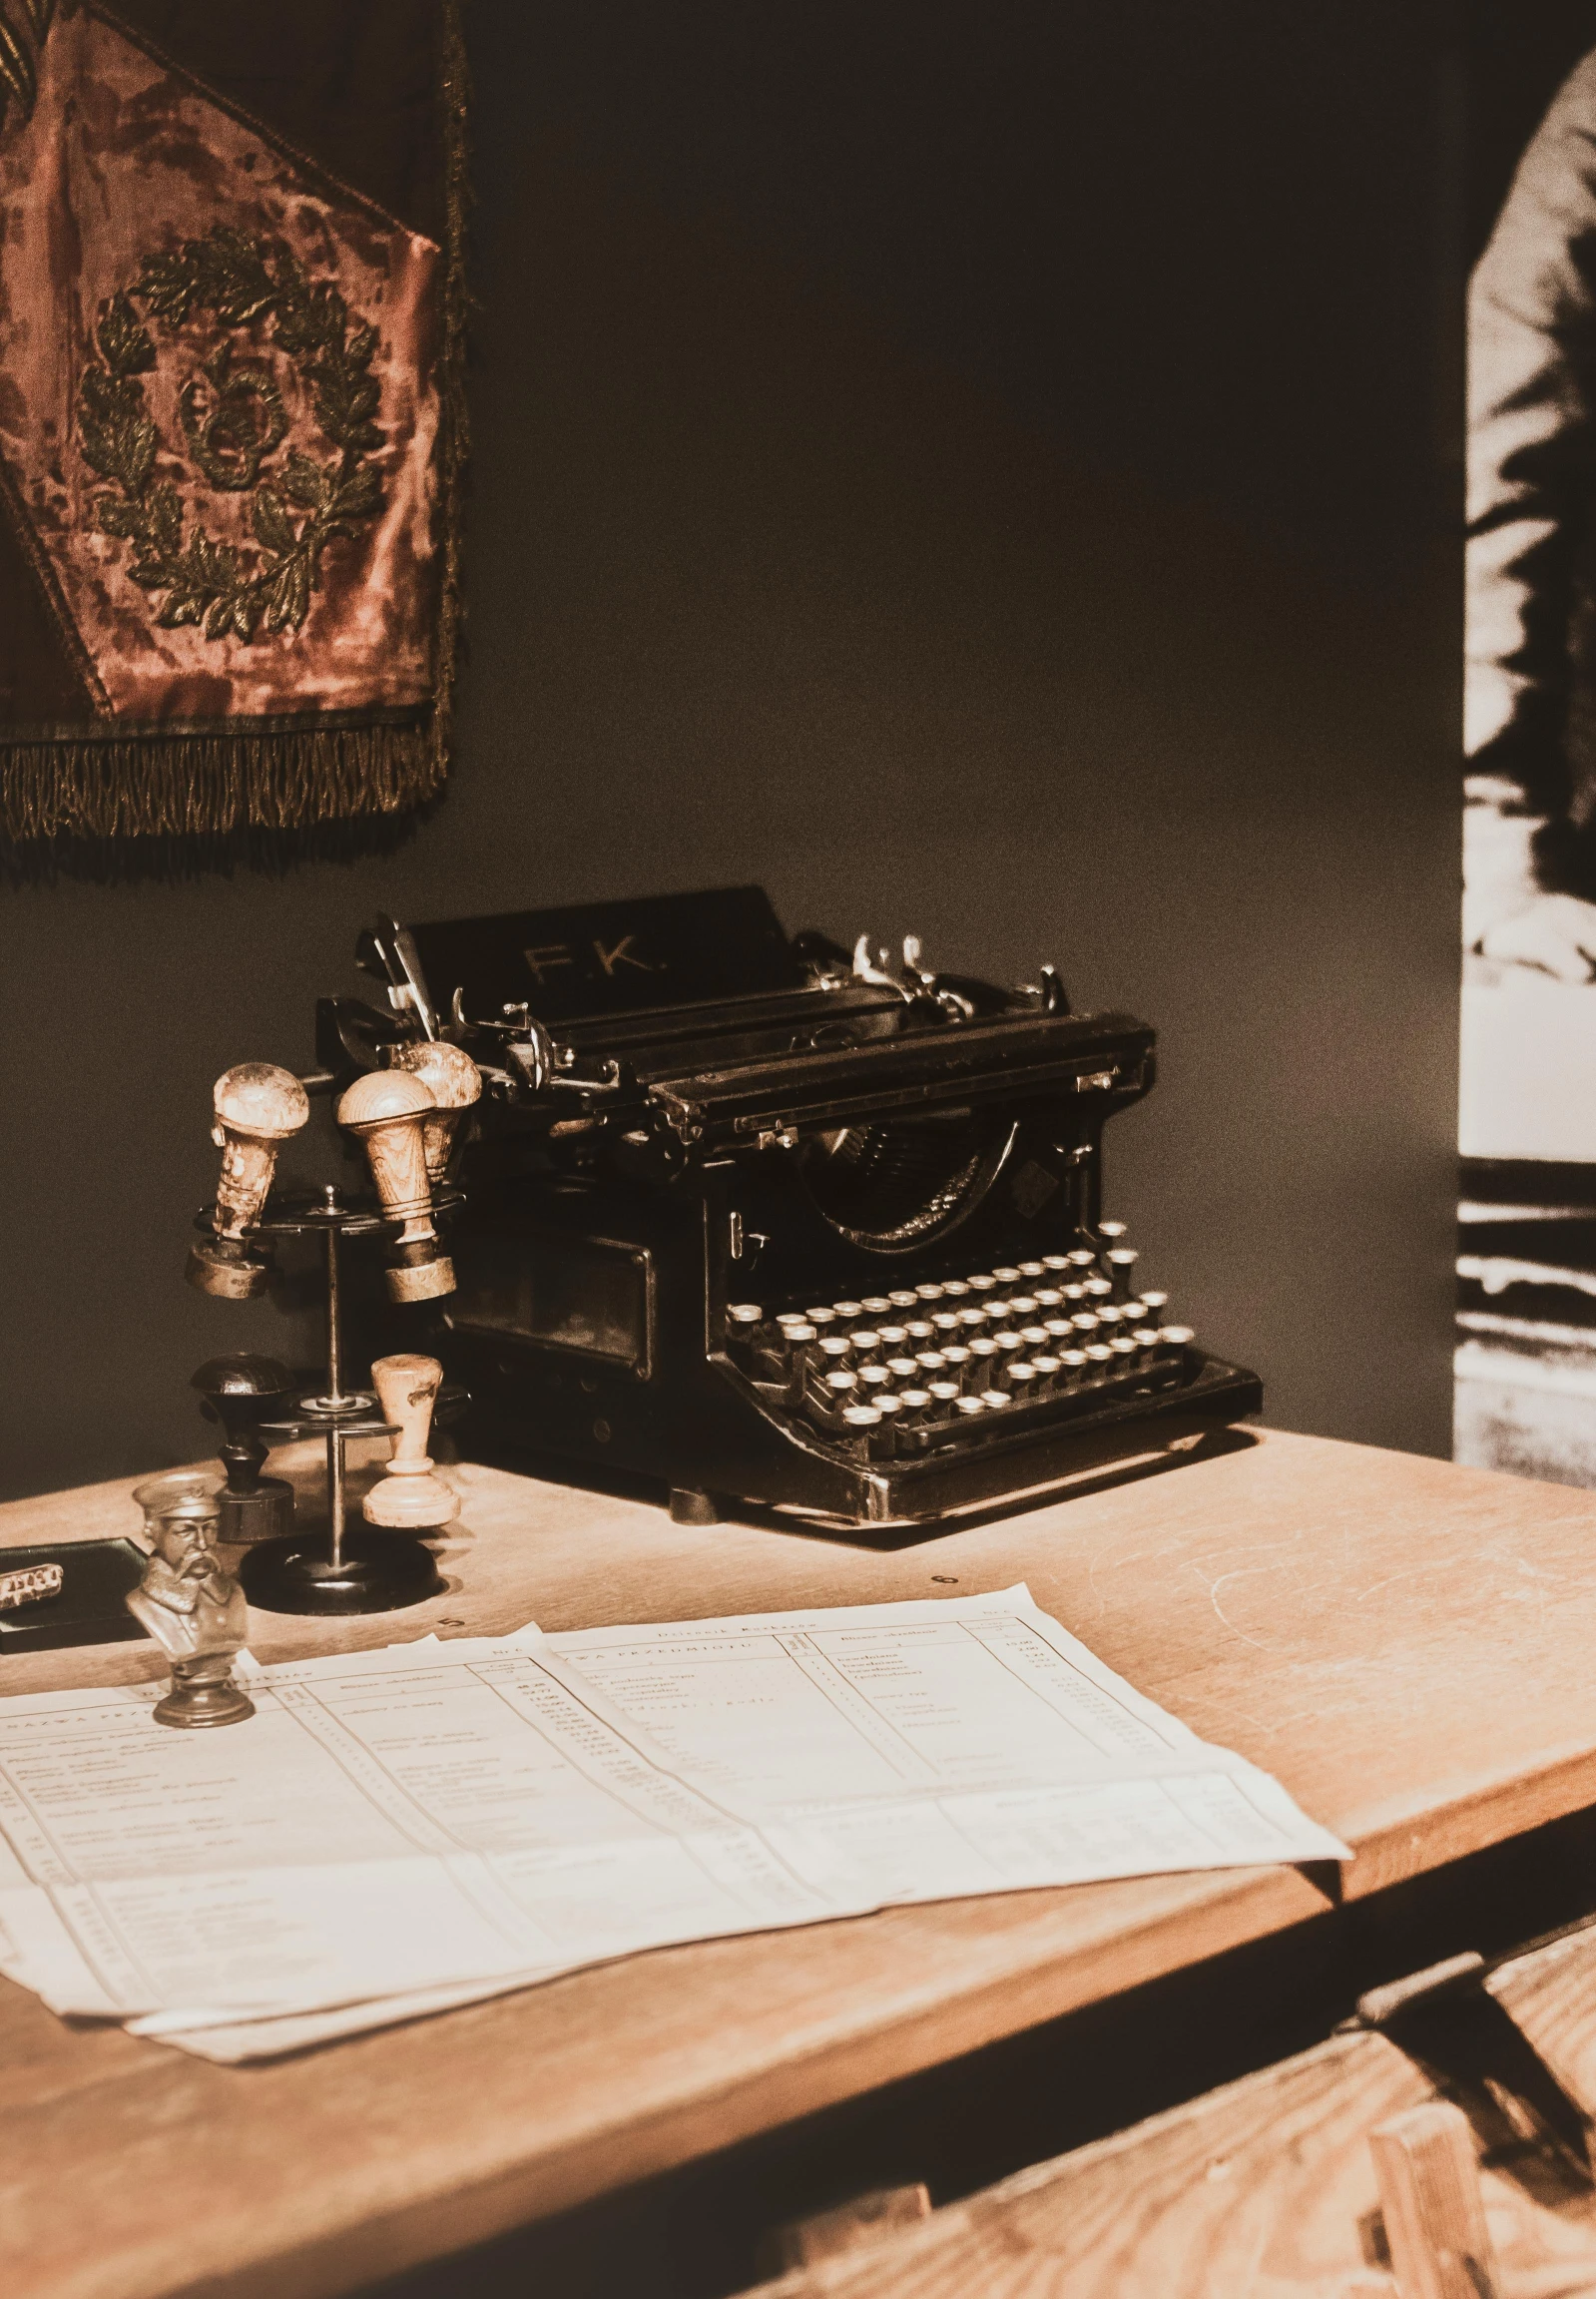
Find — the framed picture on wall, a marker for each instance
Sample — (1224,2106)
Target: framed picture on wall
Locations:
(1526,1356)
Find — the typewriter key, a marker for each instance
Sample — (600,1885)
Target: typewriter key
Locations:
(902,1367)
(1146,1340)
(1121,1260)
(921,1332)
(913,1402)
(1098,1289)
(903,1299)
(1034,1337)
(791,1317)
(1099,1357)
(1009,1342)
(887,1404)
(1081,1257)
(1031,1269)
(930,1361)
(969,1406)
(1057,1328)
(1056,1261)
(929,1292)
(875,1305)
(799,1346)
(1111,1231)
(1048,1296)
(983,1349)
(1046,1370)
(745,1312)
(874,1377)
(893,1336)
(997,1309)
(971,1321)
(1154,1305)
(864,1421)
(957,1362)
(1072,1365)
(1124,1347)
(820,1316)
(1018,1376)
(837,1347)
(1023,1305)
(866,1343)
(1085,1323)
(996,1399)
(944,1395)
(849,1309)
(954,1289)
(840,1385)
(1007,1276)
(1175,1337)
(945,1321)
(1074,1294)
(891,1409)
(983,1285)
(1107,1318)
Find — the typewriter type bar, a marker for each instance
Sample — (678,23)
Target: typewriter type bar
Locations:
(769,1222)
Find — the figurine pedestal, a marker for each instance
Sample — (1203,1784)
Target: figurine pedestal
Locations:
(194,1706)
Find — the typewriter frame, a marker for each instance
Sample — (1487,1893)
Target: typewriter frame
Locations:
(695,1186)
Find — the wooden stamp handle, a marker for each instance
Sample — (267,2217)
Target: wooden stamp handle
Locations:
(408,1388)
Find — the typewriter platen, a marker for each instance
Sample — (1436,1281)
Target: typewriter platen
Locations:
(776,1221)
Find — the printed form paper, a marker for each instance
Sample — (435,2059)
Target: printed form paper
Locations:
(398,1831)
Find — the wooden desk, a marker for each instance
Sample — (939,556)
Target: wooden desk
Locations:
(1405,1644)
(1265,2189)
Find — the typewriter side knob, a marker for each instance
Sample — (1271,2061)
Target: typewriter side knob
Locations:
(453,1080)
(257,1108)
(385,1110)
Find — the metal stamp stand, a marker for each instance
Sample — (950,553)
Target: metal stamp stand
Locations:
(344,1569)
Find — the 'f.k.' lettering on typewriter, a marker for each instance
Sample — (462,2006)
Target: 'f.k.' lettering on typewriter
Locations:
(773,1221)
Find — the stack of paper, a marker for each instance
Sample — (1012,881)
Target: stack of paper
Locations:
(401,1830)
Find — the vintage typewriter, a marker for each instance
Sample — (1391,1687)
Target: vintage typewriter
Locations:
(770,1221)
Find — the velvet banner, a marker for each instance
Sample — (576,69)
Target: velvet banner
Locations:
(231,412)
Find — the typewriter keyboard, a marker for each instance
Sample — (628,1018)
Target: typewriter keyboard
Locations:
(922,1368)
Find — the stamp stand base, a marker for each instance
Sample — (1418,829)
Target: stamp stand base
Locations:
(373,1572)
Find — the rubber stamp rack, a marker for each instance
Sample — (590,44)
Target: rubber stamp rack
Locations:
(345,1566)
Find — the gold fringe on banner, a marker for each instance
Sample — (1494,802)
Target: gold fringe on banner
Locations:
(195,785)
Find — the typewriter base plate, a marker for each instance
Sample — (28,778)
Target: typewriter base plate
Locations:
(1157,1432)
(1143,1451)
(803,1489)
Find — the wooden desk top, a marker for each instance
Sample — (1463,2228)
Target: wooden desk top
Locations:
(1405,1644)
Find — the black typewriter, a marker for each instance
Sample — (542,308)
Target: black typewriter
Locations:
(771,1221)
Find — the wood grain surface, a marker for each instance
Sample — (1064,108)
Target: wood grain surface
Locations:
(1263,2189)
(1403,1643)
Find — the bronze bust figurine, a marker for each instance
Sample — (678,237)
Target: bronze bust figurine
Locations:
(196,1612)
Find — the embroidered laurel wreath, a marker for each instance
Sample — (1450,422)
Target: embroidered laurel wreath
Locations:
(235,422)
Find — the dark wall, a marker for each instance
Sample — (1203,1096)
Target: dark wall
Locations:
(983,469)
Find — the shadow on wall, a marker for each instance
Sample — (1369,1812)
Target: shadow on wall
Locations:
(756,595)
